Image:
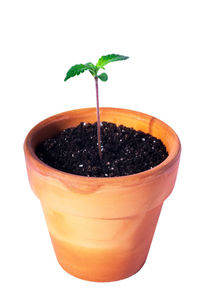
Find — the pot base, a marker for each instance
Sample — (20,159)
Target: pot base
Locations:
(91,265)
(106,250)
(98,279)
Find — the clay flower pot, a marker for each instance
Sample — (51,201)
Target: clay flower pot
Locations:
(101,228)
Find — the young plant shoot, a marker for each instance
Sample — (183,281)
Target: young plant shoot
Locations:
(94,69)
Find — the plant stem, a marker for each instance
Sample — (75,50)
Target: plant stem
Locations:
(98,117)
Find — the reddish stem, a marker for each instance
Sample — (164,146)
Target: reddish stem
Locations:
(98,117)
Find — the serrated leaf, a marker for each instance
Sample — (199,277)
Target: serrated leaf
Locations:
(103,77)
(104,60)
(76,70)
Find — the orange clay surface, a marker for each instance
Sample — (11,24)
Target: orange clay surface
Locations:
(102,228)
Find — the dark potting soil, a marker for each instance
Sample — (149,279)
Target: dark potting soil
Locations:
(125,151)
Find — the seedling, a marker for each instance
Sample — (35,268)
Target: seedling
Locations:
(94,69)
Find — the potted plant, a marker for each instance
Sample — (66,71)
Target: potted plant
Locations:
(102,192)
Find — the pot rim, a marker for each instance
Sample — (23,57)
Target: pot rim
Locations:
(43,168)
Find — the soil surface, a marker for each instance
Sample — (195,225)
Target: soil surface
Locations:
(125,151)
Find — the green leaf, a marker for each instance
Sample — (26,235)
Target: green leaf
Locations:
(104,60)
(103,77)
(76,70)
(92,68)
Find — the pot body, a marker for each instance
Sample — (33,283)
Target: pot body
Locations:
(101,228)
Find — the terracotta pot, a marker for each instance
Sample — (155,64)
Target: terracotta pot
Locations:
(102,228)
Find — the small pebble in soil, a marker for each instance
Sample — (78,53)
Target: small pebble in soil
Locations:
(125,151)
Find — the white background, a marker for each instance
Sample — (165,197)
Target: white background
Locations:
(40,40)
